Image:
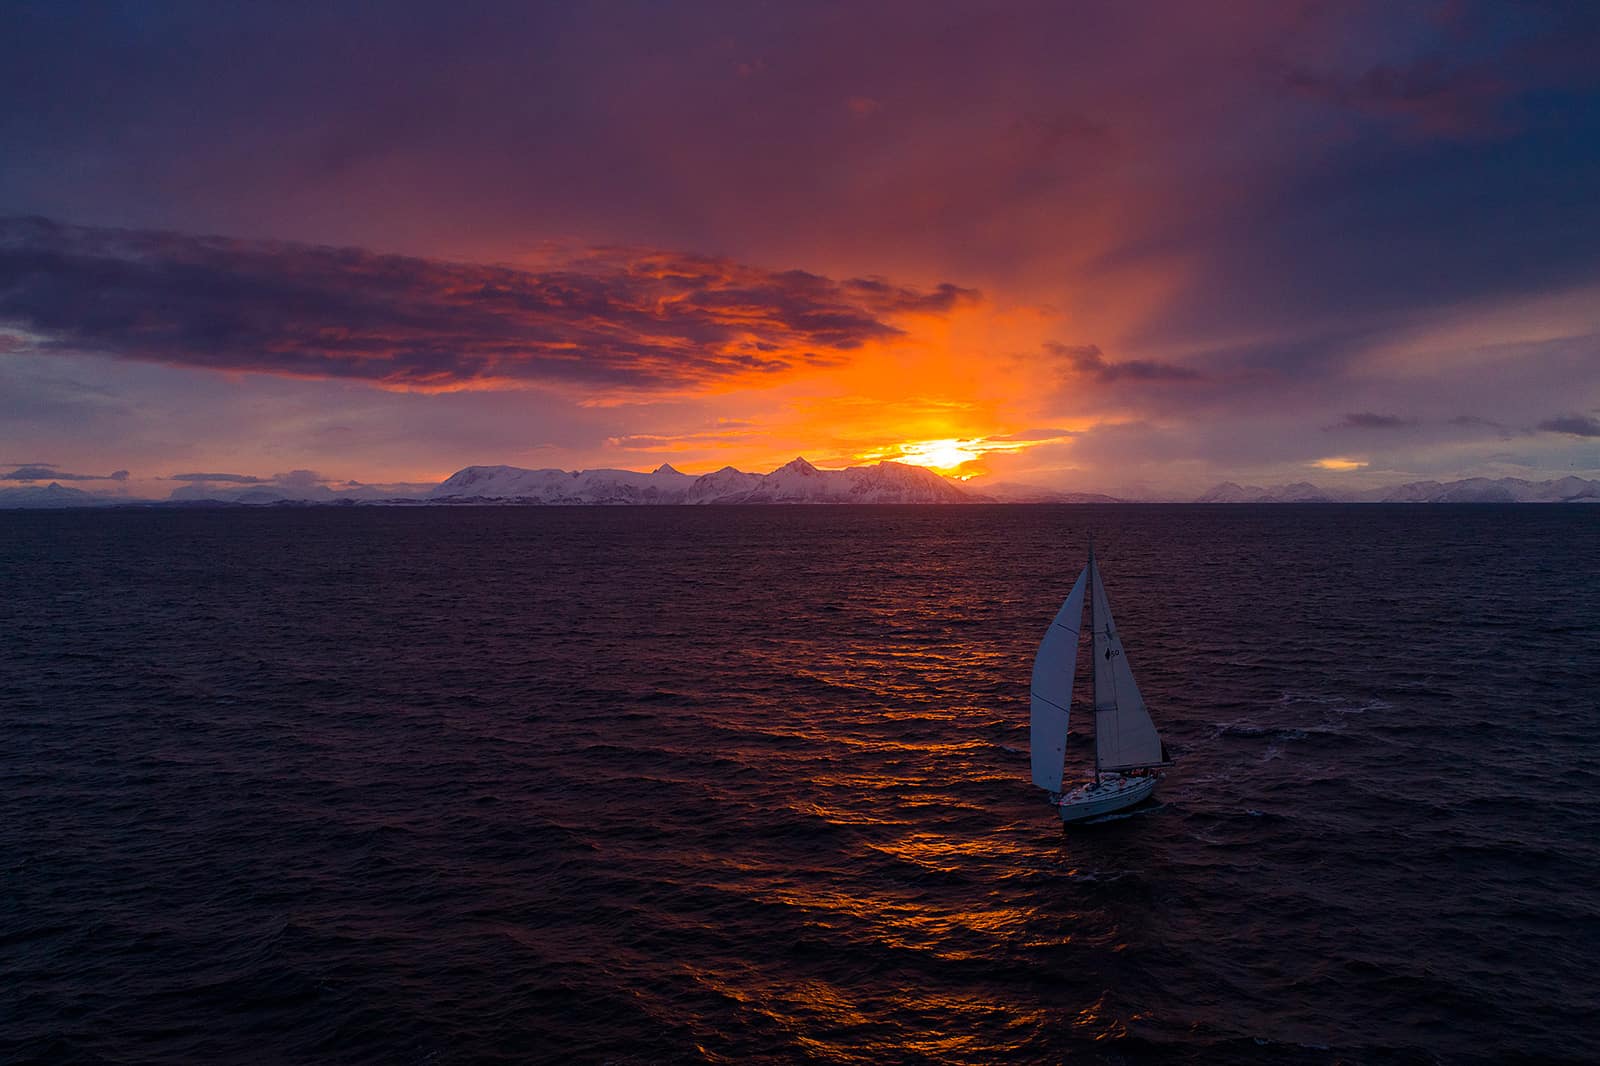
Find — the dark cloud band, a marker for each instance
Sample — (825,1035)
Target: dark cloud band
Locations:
(621,318)
(237,479)
(1575,425)
(1089,360)
(47,472)
(1373,420)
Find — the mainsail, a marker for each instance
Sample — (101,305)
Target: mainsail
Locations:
(1053,668)
(1124,735)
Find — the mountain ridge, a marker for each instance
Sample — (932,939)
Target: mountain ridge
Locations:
(1568,489)
(796,482)
(52,495)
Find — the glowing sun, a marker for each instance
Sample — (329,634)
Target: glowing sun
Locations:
(941,455)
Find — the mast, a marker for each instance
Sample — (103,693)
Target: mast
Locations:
(1093,691)
(1125,737)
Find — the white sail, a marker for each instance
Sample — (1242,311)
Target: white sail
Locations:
(1124,735)
(1053,668)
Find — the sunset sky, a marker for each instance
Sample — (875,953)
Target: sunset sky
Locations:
(1116,247)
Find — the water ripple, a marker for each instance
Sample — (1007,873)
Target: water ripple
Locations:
(750,785)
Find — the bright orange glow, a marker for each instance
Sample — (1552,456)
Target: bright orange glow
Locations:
(923,397)
(945,456)
(957,457)
(1335,462)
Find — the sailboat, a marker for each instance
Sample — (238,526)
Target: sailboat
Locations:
(1128,752)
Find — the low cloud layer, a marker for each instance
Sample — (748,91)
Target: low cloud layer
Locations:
(1029,436)
(47,472)
(236,479)
(1372,420)
(640,320)
(291,485)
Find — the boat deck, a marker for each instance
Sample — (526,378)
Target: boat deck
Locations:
(1112,793)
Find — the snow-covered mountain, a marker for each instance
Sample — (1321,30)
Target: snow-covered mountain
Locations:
(800,482)
(51,495)
(1230,492)
(661,485)
(723,484)
(1499,490)
(253,495)
(1299,492)
(1014,492)
(291,491)
(1469,490)
(794,482)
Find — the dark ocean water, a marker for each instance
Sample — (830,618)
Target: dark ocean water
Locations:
(751,785)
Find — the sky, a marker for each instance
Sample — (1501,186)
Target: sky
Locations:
(1137,248)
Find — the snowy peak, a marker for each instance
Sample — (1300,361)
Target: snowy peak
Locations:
(799,482)
(1229,492)
(54,494)
(795,482)
(722,486)
(1302,492)
(906,484)
(509,483)
(798,467)
(500,482)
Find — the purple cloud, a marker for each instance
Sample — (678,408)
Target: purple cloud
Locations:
(1576,425)
(1089,360)
(1428,95)
(237,479)
(643,320)
(1371,420)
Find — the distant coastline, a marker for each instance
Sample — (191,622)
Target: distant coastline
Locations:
(796,482)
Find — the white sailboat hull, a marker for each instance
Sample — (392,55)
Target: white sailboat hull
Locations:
(1114,793)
